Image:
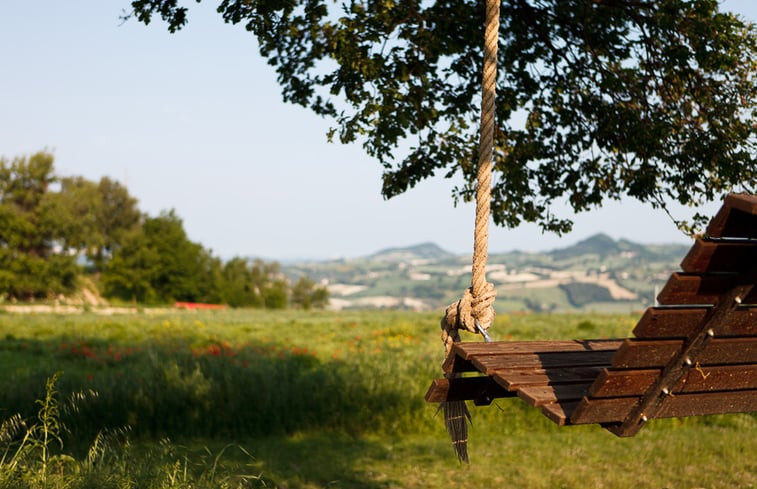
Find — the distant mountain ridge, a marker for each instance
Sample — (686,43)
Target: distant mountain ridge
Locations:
(596,273)
(422,251)
(600,244)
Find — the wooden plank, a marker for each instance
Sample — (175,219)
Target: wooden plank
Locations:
(489,364)
(668,322)
(516,378)
(469,350)
(720,256)
(736,218)
(459,359)
(547,394)
(611,410)
(742,202)
(695,288)
(614,410)
(637,353)
(699,347)
(732,223)
(710,403)
(622,383)
(646,353)
(455,364)
(735,224)
(464,389)
(559,413)
(718,223)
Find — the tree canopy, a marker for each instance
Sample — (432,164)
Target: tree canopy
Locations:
(51,225)
(597,99)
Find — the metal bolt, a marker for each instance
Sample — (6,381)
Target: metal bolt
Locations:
(644,418)
(687,361)
(665,391)
(710,333)
(737,300)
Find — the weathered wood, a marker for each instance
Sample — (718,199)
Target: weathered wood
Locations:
(489,364)
(675,322)
(559,413)
(469,350)
(695,288)
(636,353)
(612,410)
(736,218)
(696,356)
(700,347)
(622,383)
(742,202)
(454,363)
(465,389)
(710,403)
(513,379)
(607,411)
(459,358)
(719,256)
(547,394)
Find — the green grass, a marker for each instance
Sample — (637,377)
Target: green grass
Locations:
(323,399)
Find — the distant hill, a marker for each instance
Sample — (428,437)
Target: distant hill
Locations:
(600,244)
(595,274)
(423,251)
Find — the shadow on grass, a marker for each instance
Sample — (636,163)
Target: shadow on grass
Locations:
(210,390)
(323,460)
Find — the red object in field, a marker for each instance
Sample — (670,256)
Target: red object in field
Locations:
(199,305)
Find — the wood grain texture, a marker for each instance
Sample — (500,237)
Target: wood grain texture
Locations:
(662,322)
(699,289)
(719,256)
(622,383)
(736,218)
(636,353)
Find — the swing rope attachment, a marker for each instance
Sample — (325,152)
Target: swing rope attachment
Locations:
(474,312)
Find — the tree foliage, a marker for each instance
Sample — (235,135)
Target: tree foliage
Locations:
(597,99)
(93,217)
(48,222)
(31,262)
(306,294)
(254,284)
(157,263)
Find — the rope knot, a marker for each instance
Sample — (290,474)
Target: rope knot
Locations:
(464,313)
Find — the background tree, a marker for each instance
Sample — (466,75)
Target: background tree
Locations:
(92,217)
(307,295)
(47,222)
(239,289)
(31,262)
(158,263)
(270,283)
(116,215)
(597,99)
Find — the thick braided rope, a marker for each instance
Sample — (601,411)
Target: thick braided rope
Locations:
(477,302)
(485,147)
(476,307)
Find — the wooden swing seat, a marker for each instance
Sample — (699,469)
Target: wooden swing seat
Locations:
(695,354)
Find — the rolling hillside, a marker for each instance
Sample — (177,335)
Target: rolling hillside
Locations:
(596,274)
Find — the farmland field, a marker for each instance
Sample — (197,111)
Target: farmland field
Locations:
(288,399)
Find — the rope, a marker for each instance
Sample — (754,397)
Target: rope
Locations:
(474,312)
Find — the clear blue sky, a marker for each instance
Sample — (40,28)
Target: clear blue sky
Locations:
(194,121)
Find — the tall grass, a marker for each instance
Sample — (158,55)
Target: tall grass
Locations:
(187,377)
(33,456)
(321,397)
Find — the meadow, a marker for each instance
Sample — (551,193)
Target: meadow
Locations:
(249,398)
